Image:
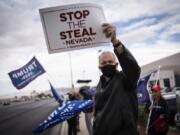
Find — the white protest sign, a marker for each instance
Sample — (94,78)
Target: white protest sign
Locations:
(73,27)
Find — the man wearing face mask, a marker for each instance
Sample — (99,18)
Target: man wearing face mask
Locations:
(116,107)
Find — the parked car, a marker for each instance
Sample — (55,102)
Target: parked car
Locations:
(166,90)
(176,89)
(173,101)
(177,116)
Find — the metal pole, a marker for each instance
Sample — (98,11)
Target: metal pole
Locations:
(71,73)
(99,51)
(157,78)
(83,75)
(147,126)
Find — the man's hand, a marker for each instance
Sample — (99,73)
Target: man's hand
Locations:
(151,107)
(161,116)
(110,31)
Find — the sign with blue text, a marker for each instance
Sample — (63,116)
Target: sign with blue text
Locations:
(24,75)
(73,27)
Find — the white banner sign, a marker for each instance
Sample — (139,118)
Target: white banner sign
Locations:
(73,27)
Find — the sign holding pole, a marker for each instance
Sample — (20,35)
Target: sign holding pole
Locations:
(73,27)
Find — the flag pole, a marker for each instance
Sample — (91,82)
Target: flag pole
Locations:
(148,119)
(71,73)
(157,78)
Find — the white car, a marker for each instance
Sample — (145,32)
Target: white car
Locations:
(176,89)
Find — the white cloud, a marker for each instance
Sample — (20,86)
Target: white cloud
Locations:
(125,10)
(174,29)
(146,54)
(21,37)
(153,29)
(139,35)
(139,24)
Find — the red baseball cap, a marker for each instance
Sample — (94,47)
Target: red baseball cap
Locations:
(155,88)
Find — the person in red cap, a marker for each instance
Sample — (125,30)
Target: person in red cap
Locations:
(158,119)
(156,92)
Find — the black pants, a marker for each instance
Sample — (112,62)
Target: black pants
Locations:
(152,132)
(157,134)
(72,126)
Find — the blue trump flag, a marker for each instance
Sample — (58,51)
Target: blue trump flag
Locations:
(24,75)
(66,111)
(142,92)
(55,95)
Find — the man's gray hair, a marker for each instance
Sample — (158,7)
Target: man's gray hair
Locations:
(107,52)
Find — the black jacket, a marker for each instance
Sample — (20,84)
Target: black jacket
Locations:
(116,107)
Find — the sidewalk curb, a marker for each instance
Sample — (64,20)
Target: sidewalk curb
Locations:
(56,130)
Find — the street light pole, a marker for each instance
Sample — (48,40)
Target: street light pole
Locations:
(99,51)
(71,73)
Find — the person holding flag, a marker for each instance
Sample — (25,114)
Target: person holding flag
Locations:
(159,113)
(72,122)
(65,111)
(116,106)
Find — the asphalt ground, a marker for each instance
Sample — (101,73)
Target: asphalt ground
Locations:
(21,118)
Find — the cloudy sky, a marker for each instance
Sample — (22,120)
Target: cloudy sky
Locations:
(150,29)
